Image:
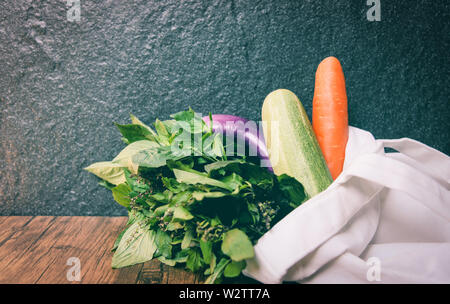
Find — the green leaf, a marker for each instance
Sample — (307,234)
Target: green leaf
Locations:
(187,239)
(195,123)
(134,184)
(254,212)
(233,181)
(170,124)
(173,226)
(136,121)
(119,238)
(194,260)
(218,149)
(234,269)
(121,194)
(250,172)
(212,264)
(292,189)
(218,271)
(181,213)
(170,262)
(220,164)
(134,133)
(213,146)
(184,115)
(198,178)
(181,198)
(161,210)
(131,219)
(136,246)
(174,261)
(164,243)
(174,186)
(125,157)
(153,157)
(206,248)
(163,134)
(199,196)
(181,258)
(111,172)
(237,245)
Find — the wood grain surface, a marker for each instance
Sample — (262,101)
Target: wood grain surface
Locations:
(35,250)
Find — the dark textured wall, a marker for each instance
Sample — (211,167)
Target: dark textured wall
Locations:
(62,84)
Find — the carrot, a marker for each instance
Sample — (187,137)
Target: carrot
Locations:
(330,116)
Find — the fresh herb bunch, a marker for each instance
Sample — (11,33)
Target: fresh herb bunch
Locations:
(189,203)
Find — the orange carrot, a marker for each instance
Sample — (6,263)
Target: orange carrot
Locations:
(330,116)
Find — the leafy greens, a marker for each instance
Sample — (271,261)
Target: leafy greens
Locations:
(188,202)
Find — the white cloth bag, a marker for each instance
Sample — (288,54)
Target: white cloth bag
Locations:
(385,219)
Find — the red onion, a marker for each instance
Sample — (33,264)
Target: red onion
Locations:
(236,128)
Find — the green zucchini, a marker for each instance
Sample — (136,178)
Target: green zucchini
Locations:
(291,142)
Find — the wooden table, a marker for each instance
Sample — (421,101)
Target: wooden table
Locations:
(35,249)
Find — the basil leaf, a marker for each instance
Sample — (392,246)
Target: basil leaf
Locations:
(181,198)
(163,134)
(196,178)
(131,219)
(174,186)
(215,166)
(172,226)
(199,196)
(136,121)
(161,210)
(162,197)
(132,133)
(206,248)
(194,260)
(153,157)
(195,123)
(136,246)
(125,157)
(188,236)
(117,241)
(164,243)
(213,145)
(181,213)
(134,184)
(121,194)
(109,171)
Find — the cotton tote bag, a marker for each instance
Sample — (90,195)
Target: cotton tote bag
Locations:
(385,219)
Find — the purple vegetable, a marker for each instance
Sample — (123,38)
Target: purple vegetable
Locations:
(236,128)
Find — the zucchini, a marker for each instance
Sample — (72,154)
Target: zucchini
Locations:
(292,144)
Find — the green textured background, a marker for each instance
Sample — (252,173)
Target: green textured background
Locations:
(62,84)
